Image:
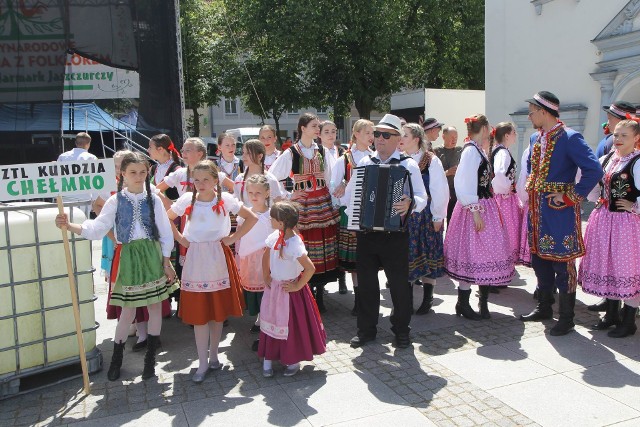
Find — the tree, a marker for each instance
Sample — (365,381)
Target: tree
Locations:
(206,55)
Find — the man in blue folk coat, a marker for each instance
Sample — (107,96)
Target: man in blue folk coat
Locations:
(555,235)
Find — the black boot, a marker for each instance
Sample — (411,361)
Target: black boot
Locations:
(599,306)
(319,294)
(611,317)
(566,312)
(150,357)
(342,283)
(356,304)
(427,299)
(116,362)
(462,306)
(413,311)
(628,325)
(542,311)
(484,302)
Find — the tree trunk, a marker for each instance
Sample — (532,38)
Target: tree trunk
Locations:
(196,121)
(276,120)
(364,105)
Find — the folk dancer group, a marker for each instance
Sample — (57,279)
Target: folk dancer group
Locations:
(286,241)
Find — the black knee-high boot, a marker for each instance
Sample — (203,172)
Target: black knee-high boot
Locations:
(319,295)
(484,302)
(342,282)
(411,298)
(150,357)
(116,361)
(628,325)
(565,319)
(611,317)
(462,306)
(427,299)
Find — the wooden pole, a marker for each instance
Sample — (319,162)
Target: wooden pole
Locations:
(74,301)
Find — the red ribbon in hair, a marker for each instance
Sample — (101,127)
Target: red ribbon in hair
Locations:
(188,210)
(186,184)
(172,149)
(219,207)
(280,243)
(493,133)
(470,119)
(630,117)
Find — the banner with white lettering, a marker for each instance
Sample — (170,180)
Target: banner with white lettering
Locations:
(41,180)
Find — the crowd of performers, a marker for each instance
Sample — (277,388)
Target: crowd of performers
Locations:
(265,233)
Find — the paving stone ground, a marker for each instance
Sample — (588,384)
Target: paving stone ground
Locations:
(421,385)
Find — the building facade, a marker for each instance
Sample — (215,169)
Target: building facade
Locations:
(587,52)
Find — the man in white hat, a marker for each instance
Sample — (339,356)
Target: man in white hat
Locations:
(386,250)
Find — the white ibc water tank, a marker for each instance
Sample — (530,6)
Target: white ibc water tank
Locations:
(37,326)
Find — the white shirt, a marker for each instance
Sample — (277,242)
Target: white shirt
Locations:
(522,178)
(281,168)
(269,159)
(420,196)
(228,167)
(255,238)
(501,183)
(161,171)
(179,176)
(240,189)
(95,229)
(205,225)
(338,172)
(438,186)
(465,181)
(76,155)
(287,267)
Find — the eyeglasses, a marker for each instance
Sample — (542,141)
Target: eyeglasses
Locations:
(385,135)
(534,111)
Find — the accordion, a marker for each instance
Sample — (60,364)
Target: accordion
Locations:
(377,188)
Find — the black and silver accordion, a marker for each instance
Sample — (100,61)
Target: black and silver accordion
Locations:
(377,188)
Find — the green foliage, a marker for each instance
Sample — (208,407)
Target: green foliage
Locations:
(336,54)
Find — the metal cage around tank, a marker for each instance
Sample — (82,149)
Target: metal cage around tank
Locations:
(37,327)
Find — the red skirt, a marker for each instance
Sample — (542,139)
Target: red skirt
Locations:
(198,308)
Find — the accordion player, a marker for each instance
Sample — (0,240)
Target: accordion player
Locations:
(377,188)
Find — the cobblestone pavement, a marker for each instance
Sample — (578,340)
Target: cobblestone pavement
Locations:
(414,375)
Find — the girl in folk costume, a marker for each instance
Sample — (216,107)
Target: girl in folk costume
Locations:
(524,253)
(361,140)
(426,257)
(309,165)
(142,271)
(290,326)
(193,151)
(167,157)
(251,247)
(228,163)
(211,289)
(611,265)
(476,247)
(268,136)
(328,136)
(253,155)
(504,184)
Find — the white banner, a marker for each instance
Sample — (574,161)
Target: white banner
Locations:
(41,180)
(88,79)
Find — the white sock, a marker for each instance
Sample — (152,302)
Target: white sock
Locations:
(267,364)
(142,331)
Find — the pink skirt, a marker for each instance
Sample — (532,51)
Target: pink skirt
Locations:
(611,265)
(511,214)
(483,258)
(306,335)
(250,269)
(524,254)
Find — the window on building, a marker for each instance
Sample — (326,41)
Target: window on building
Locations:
(293,112)
(230,106)
(321,110)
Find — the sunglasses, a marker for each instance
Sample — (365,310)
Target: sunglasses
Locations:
(385,135)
